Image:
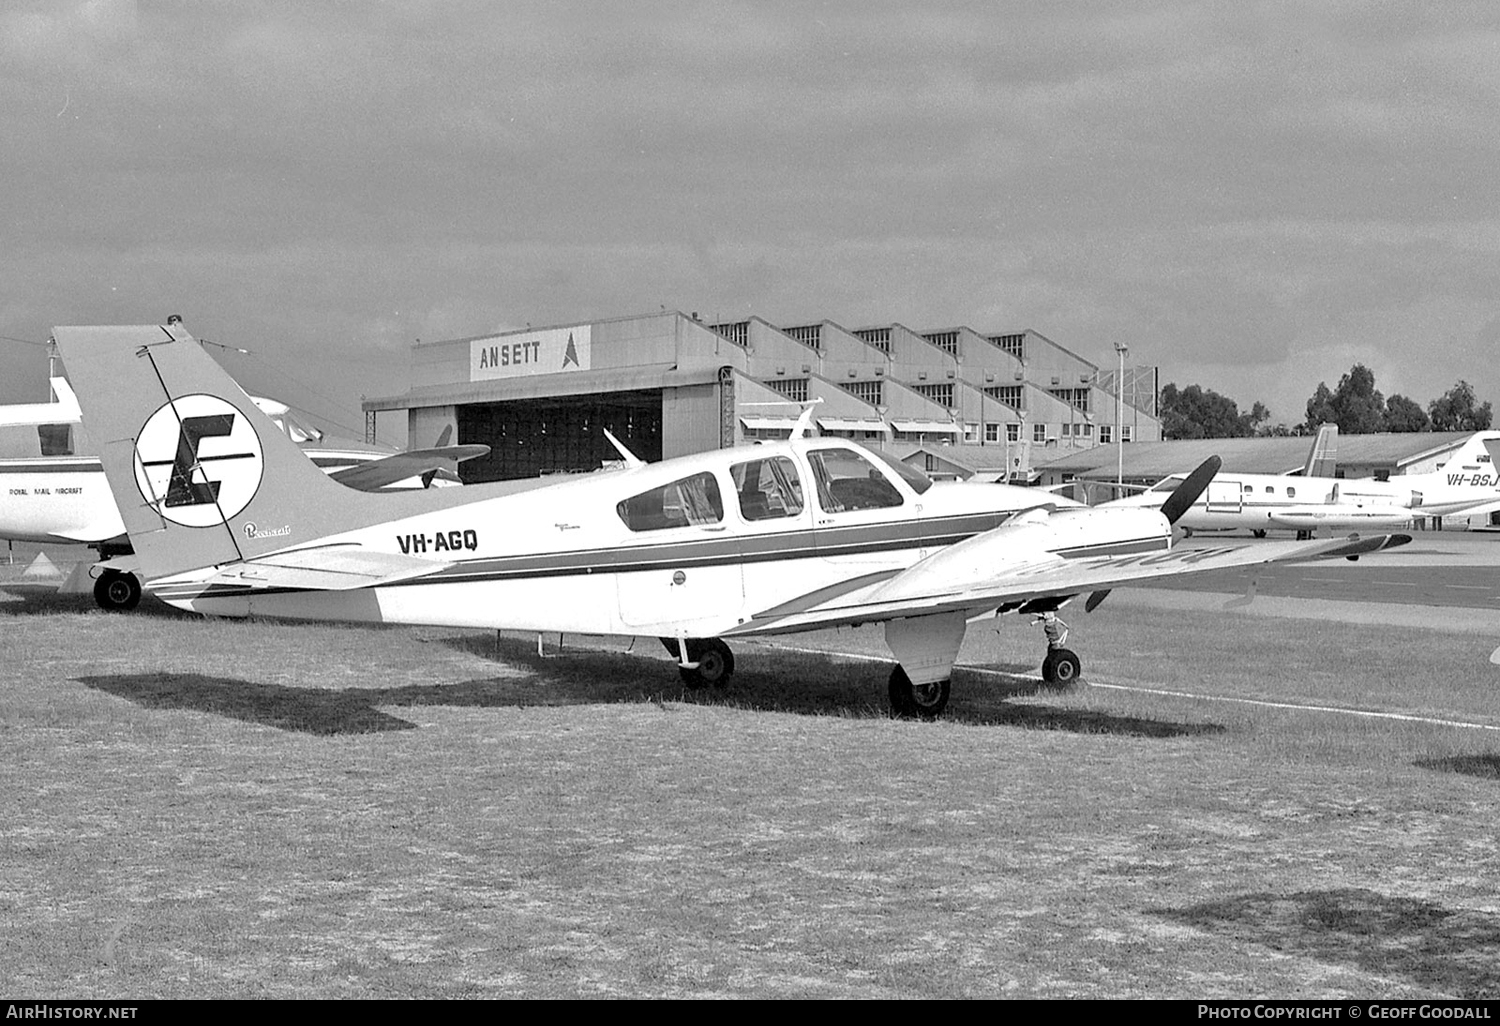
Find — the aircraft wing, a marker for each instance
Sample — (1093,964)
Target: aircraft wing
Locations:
(376,474)
(930,586)
(323,568)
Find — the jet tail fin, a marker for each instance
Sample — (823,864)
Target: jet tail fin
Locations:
(1322,458)
(200,475)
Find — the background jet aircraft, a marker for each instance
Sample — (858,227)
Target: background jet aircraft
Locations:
(228,518)
(1467,483)
(51,493)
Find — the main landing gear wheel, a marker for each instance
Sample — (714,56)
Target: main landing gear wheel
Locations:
(715,663)
(910,701)
(1062,667)
(117,592)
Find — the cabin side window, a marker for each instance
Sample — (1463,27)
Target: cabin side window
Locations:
(847,481)
(693,501)
(768,489)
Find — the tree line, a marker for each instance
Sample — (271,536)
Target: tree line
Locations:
(1356,406)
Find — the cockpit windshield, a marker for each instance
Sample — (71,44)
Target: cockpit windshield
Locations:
(1167,486)
(919,481)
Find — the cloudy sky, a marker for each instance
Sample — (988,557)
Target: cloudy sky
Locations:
(1252,196)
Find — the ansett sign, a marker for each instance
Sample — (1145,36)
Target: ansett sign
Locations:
(535,352)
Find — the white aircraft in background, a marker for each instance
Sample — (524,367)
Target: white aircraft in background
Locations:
(1466,483)
(50,494)
(228,518)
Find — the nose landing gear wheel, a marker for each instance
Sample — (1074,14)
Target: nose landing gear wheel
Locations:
(917,701)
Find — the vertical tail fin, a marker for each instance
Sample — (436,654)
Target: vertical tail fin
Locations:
(201,476)
(1322,458)
(1472,456)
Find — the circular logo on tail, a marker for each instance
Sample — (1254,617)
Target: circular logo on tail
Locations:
(198,461)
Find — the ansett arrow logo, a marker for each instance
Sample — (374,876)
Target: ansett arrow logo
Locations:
(198,461)
(571,356)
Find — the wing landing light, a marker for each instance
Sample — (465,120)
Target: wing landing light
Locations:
(1182,499)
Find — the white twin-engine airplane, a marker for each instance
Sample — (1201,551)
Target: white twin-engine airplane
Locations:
(1467,483)
(228,518)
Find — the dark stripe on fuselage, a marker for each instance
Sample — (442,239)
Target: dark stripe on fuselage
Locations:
(822,543)
(804,543)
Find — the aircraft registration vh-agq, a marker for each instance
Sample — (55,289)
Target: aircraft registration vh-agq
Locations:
(229,518)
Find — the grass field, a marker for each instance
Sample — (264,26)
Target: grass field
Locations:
(198,808)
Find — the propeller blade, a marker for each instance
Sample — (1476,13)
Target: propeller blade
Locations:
(1495,656)
(1181,500)
(1095,599)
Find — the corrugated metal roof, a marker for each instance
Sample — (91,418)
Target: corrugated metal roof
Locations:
(976,458)
(1157,460)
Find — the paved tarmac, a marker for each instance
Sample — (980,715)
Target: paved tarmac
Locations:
(1444,581)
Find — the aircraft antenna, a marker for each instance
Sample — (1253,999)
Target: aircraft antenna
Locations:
(803,427)
(631,459)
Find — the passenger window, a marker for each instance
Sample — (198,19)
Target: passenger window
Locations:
(1249,489)
(847,481)
(1291,493)
(768,489)
(55,439)
(1270,490)
(693,501)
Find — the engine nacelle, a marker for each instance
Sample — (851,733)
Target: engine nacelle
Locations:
(1035,540)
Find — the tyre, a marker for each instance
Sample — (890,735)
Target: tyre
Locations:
(913,701)
(1066,667)
(117,592)
(715,663)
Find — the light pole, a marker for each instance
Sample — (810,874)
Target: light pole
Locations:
(1121,349)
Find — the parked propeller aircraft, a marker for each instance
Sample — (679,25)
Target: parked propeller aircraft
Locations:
(1467,483)
(228,519)
(50,493)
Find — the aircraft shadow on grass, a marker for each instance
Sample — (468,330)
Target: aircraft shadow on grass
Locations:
(1484,766)
(791,682)
(22,599)
(1450,950)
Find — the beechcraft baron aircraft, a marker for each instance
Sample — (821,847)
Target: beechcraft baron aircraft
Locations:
(1466,483)
(50,493)
(228,518)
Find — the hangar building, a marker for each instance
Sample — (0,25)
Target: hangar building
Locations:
(668,384)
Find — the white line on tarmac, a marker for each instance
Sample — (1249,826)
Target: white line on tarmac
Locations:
(1262,703)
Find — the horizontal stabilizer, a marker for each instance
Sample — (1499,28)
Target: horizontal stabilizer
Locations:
(376,474)
(325,568)
(63,411)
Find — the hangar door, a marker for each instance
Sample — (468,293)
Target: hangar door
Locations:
(559,434)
